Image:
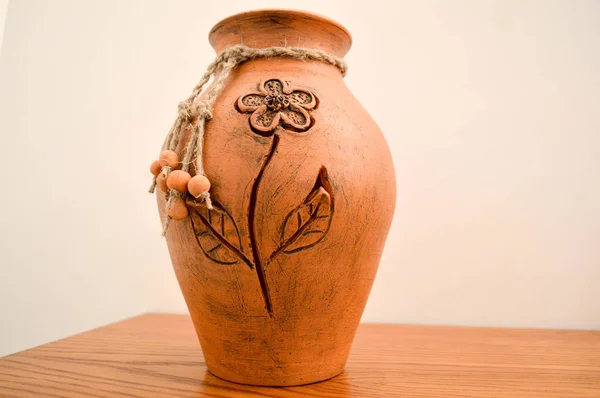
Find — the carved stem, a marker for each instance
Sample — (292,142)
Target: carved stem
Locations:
(260,271)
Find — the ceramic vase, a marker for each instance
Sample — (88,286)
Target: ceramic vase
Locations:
(277,275)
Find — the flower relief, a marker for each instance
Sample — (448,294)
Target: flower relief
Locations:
(277,102)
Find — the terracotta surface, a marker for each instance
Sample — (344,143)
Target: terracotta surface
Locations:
(158,356)
(276,277)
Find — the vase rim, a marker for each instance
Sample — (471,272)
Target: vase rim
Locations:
(335,38)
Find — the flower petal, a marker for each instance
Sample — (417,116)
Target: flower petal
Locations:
(264,119)
(296,118)
(273,86)
(303,98)
(250,102)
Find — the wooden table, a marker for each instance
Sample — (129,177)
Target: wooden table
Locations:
(157,355)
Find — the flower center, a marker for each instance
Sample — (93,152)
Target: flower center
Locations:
(277,102)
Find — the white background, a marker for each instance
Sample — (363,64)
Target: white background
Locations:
(491,109)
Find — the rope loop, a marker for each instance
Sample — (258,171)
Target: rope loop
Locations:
(199,112)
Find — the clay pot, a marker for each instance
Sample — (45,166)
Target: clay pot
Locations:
(276,277)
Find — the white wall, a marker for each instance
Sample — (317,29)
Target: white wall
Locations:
(490,108)
(3,8)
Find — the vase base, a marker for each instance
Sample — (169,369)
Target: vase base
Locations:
(277,381)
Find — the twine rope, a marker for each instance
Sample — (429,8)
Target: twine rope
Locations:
(191,109)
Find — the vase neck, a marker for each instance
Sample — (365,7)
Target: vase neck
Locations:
(281,28)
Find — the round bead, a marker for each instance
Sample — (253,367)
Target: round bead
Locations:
(161,182)
(178,180)
(178,209)
(197,185)
(169,158)
(155,168)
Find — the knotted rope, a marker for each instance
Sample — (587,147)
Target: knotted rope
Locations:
(201,111)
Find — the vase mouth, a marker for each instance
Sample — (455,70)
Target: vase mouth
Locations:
(281,28)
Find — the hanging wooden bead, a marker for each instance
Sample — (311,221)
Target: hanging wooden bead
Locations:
(161,182)
(169,158)
(197,185)
(155,168)
(177,209)
(178,180)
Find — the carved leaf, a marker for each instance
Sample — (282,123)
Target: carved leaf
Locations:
(216,233)
(307,225)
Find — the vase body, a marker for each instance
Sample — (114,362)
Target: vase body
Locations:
(277,275)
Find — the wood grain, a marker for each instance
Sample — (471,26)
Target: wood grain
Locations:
(157,355)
